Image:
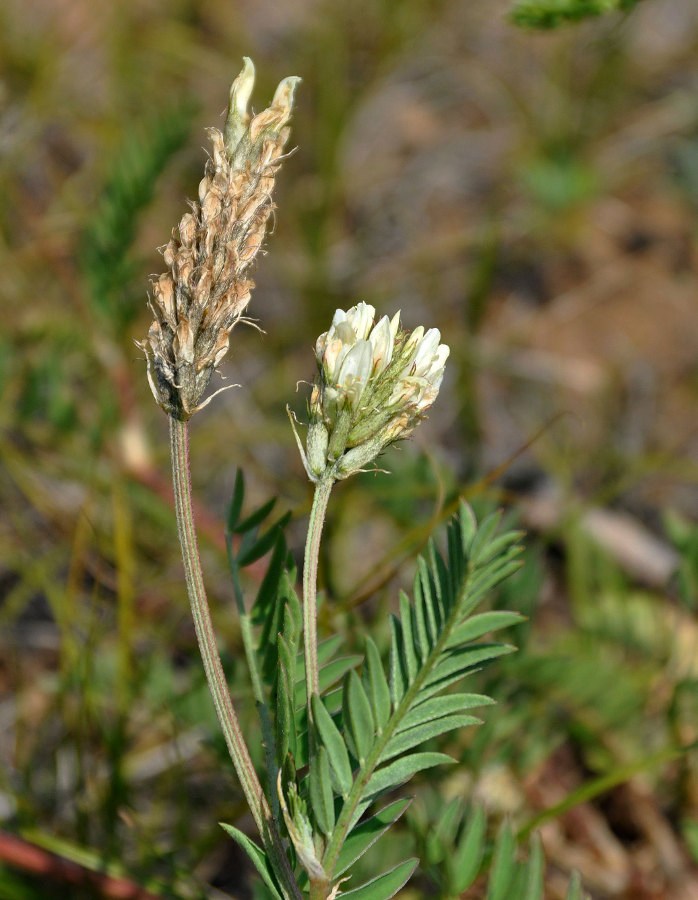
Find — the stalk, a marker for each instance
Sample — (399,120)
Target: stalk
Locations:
(227,717)
(310,567)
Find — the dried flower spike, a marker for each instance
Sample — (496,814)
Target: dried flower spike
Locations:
(374,384)
(210,255)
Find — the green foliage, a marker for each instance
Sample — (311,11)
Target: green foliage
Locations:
(549,14)
(367,736)
(258,858)
(684,536)
(458,855)
(108,267)
(402,72)
(368,733)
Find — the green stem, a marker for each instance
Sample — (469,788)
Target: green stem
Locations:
(257,687)
(318,889)
(227,717)
(310,566)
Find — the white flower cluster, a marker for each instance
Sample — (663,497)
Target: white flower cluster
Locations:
(374,385)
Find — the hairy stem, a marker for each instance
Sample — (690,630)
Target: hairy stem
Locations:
(310,565)
(227,717)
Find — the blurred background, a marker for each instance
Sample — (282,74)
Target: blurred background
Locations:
(534,194)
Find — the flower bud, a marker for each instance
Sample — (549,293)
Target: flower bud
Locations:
(317,442)
(374,384)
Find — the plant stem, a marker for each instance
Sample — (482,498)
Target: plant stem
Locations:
(227,717)
(310,566)
(257,687)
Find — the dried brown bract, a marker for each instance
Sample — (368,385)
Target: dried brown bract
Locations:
(209,258)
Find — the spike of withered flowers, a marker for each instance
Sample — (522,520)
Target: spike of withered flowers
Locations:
(210,255)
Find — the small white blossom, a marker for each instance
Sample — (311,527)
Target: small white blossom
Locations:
(375,382)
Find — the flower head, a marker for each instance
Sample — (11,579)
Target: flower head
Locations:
(374,384)
(209,258)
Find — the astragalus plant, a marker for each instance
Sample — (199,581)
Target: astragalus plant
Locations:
(339,732)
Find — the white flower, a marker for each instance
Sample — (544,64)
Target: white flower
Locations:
(355,371)
(374,384)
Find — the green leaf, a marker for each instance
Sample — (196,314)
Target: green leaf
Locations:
(465,862)
(320,791)
(258,857)
(534,871)
(406,740)
(484,580)
(333,741)
(376,686)
(402,770)
(398,679)
(575,889)
(285,718)
(267,595)
(548,14)
(458,663)
(440,836)
(358,719)
(384,886)
(442,706)
(424,641)
(468,525)
(325,651)
(329,674)
(408,652)
(497,546)
(479,546)
(236,501)
(444,597)
(291,627)
(263,545)
(423,588)
(367,833)
(483,623)
(107,259)
(255,518)
(503,865)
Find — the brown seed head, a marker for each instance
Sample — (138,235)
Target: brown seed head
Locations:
(207,288)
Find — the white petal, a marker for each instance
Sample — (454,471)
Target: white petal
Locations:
(339,316)
(356,365)
(413,341)
(442,355)
(361,317)
(426,351)
(330,358)
(381,340)
(438,361)
(395,324)
(355,372)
